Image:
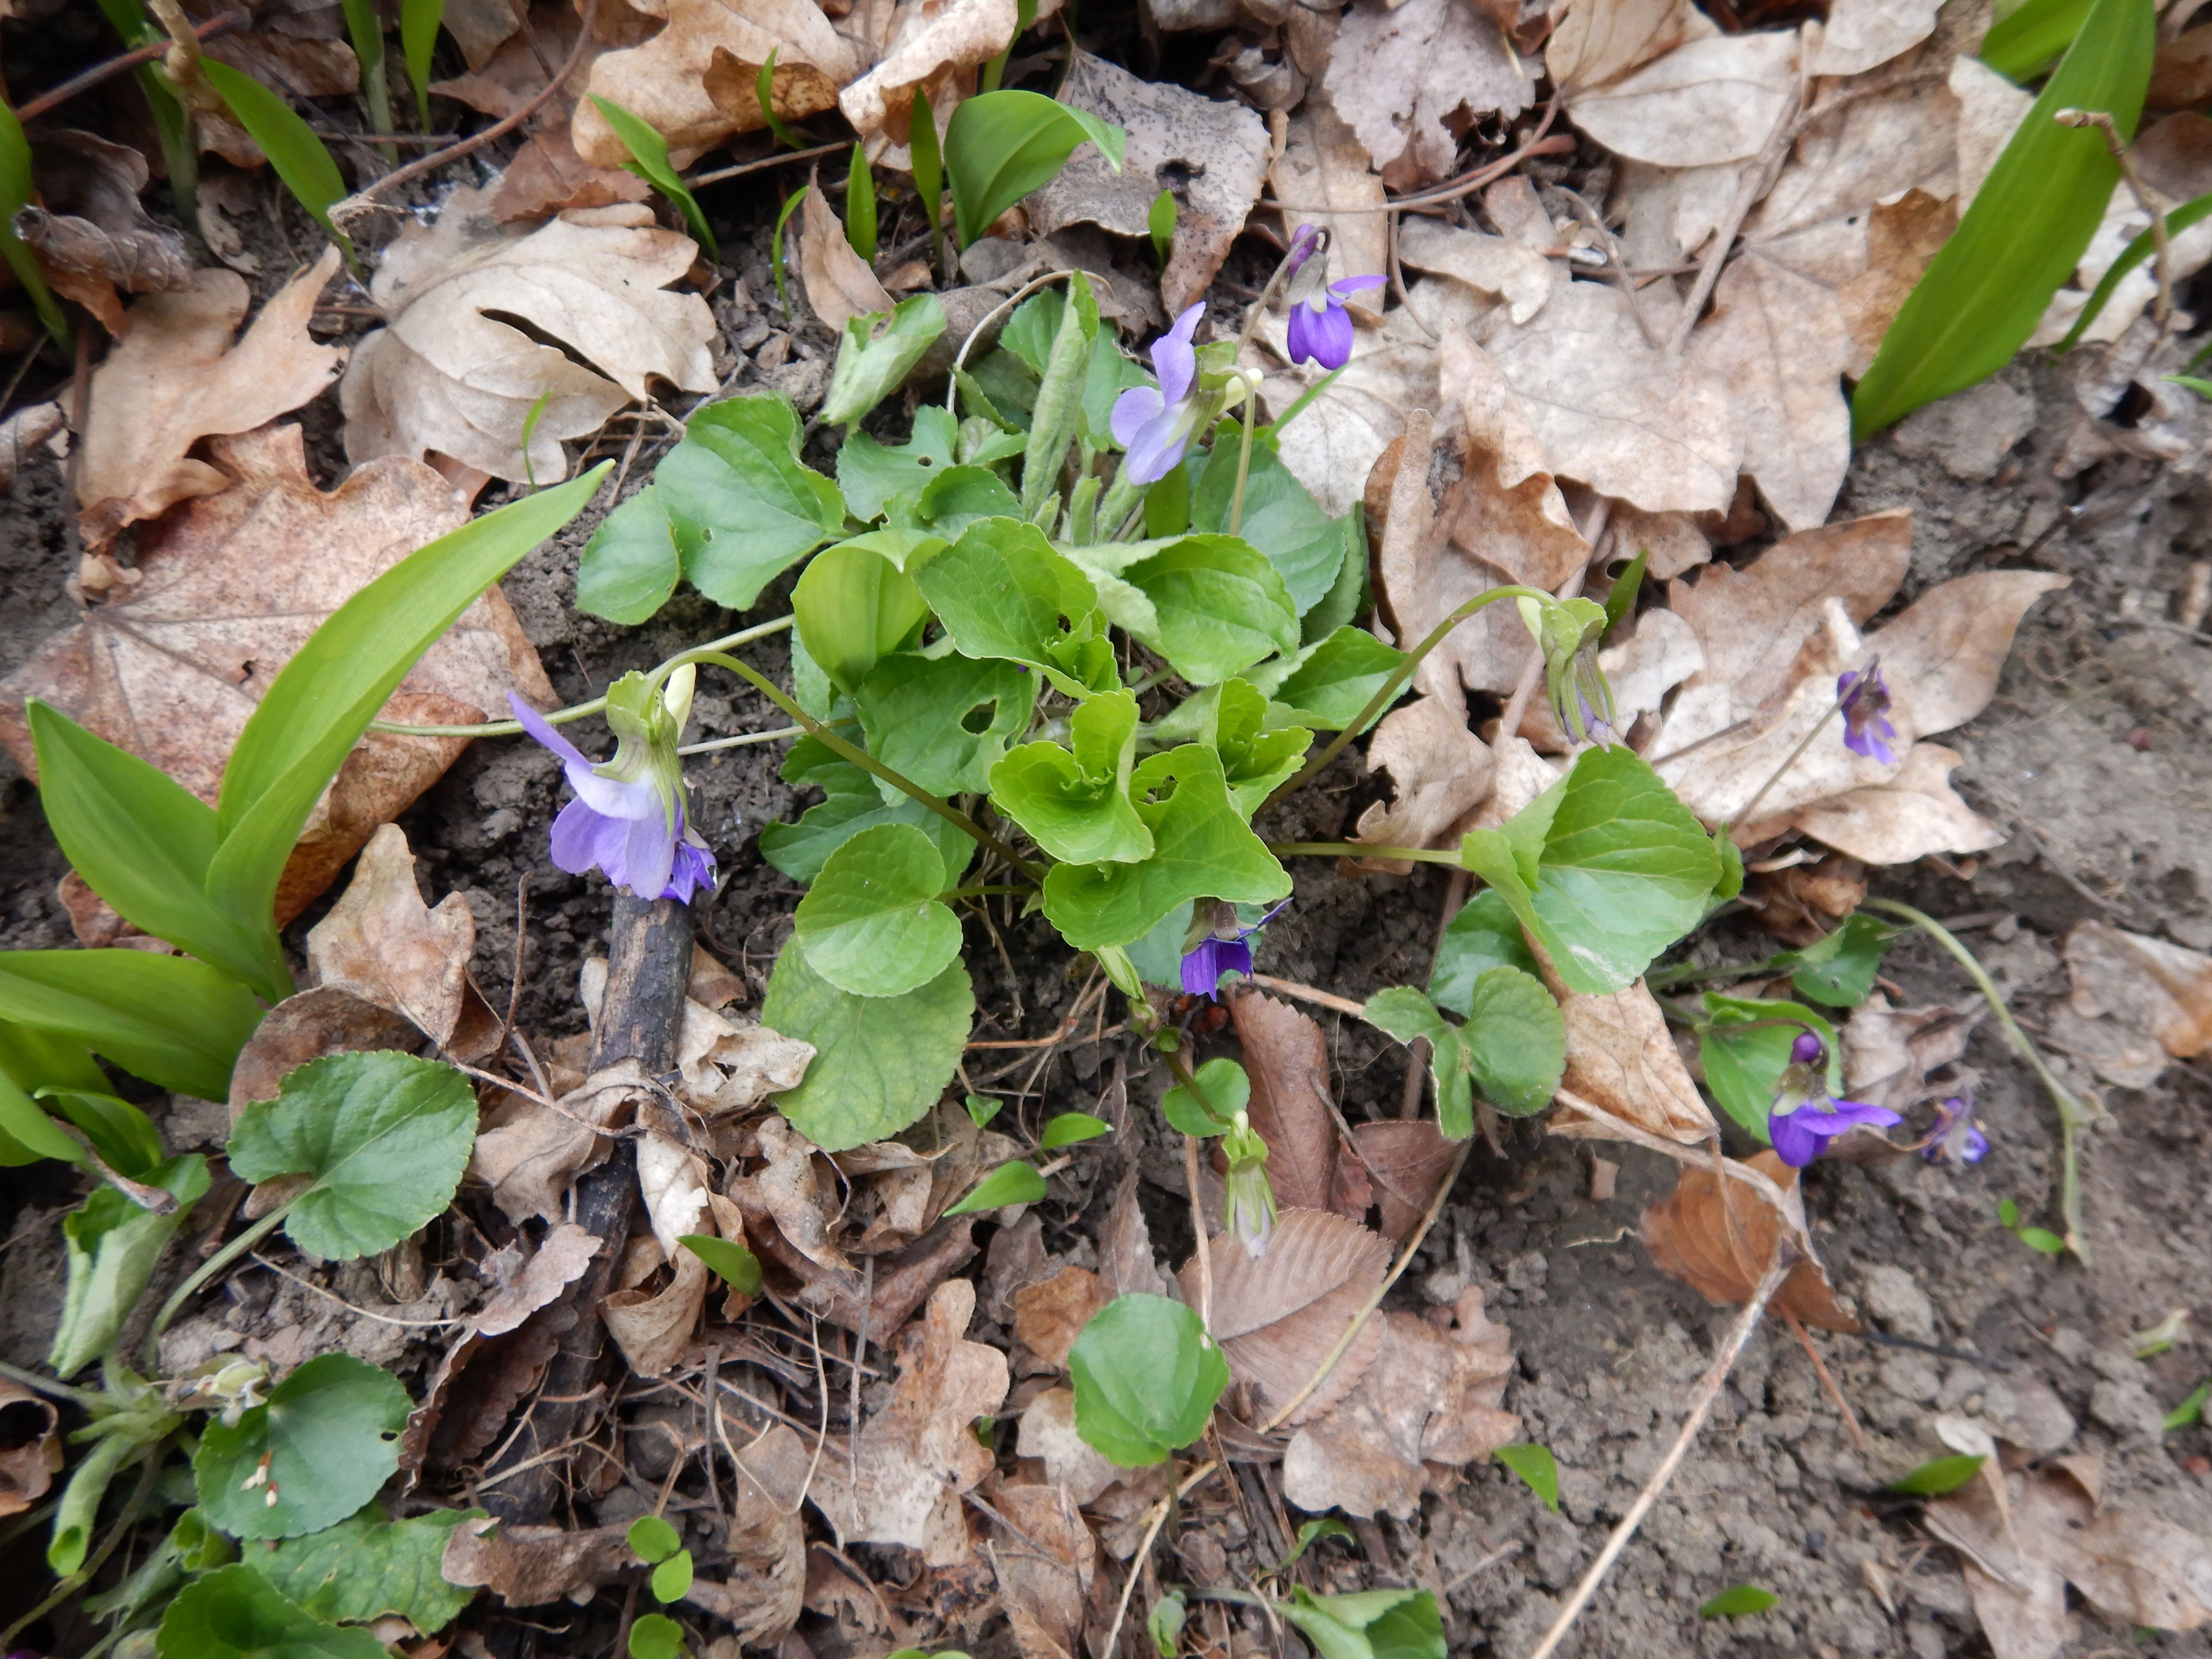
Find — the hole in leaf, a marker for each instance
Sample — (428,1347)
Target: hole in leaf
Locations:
(977,720)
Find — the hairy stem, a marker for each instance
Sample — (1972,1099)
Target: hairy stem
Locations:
(2073,1114)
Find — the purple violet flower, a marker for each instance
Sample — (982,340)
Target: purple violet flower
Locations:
(1866,708)
(628,830)
(1805,1117)
(1319,327)
(1155,424)
(1217,953)
(1955,1137)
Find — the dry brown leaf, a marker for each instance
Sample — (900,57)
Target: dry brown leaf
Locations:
(177,378)
(1278,1315)
(1889,1052)
(766,1590)
(382,942)
(1621,1057)
(1126,1262)
(1211,156)
(1050,1315)
(443,375)
(1286,1057)
(653,1328)
(916,1457)
(839,284)
(792,1192)
(725,1065)
(1779,342)
(1578,392)
(1324,165)
(1429,1404)
(935,46)
(1901,818)
(1863,33)
(1408,1157)
(30,1447)
(2135,1002)
(529,1566)
(1688,1235)
(694,81)
(1950,645)
(307,1026)
(478,26)
(1509,270)
(1440,769)
(1595,41)
(1397,76)
(1708,101)
(1048,1434)
(89,232)
(1902,237)
(2181,74)
(903,1278)
(1044,1567)
(222,601)
(564,1257)
(531,1153)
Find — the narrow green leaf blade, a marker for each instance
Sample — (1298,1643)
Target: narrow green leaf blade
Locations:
(418,38)
(1537,1468)
(732,1263)
(1933,1479)
(649,160)
(1737,1602)
(860,204)
(303,160)
(172,1021)
(2029,38)
(1014,1183)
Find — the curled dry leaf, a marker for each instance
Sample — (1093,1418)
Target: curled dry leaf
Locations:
(694,81)
(901,1278)
(305,1026)
(1211,157)
(1126,1261)
(1324,166)
(840,286)
(1408,1157)
(1889,1052)
(1690,1236)
(89,232)
(766,1588)
(1044,1568)
(1048,1434)
(725,1064)
(914,1458)
(563,1258)
(223,600)
(1278,1315)
(178,377)
(1441,771)
(2135,1002)
(792,1191)
(1496,265)
(528,1153)
(1595,41)
(30,1447)
(382,944)
(1621,1058)
(1397,76)
(1429,1405)
(1707,101)
(935,46)
(653,1327)
(445,375)
(1286,1057)
(529,1566)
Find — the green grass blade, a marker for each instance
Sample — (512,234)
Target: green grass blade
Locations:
(2134,253)
(861,205)
(302,159)
(419,20)
(649,160)
(2029,40)
(14,193)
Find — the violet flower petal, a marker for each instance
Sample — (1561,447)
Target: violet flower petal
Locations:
(1133,410)
(616,801)
(1351,285)
(1174,360)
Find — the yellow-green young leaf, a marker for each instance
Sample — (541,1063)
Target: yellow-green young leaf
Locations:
(1226,1089)
(776,239)
(1161,223)
(872,923)
(854,608)
(672,1577)
(861,205)
(1146,1376)
(1164,1623)
(1311,1533)
(1071,1126)
(649,160)
(1987,288)
(877,352)
(764,95)
(1737,1602)
(1002,145)
(732,1263)
(1017,1182)
(317,1451)
(928,171)
(1385,1624)
(2190,1411)
(983,1108)
(302,159)
(1933,1479)
(655,1635)
(112,1244)
(1330,681)
(172,1021)
(1537,1468)
(1074,802)
(233,1612)
(880,1062)
(652,1540)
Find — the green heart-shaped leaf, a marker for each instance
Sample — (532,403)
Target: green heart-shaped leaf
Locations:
(1146,1376)
(872,923)
(327,1438)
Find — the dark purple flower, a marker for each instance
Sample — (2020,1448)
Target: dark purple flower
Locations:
(1955,1137)
(1319,327)
(1865,701)
(1155,424)
(1225,948)
(1805,1116)
(633,831)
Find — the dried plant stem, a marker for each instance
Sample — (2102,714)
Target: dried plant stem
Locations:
(2161,259)
(1821,1369)
(1701,1402)
(1757,181)
(1157,1519)
(213,29)
(1320,999)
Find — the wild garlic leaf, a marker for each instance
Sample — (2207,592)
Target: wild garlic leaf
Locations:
(1388,1624)
(382,1138)
(1201,849)
(1074,802)
(943,722)
(1146,1376)
(875,354)
(318,1449)
(1538,1469)
(1014,1183)
(738,477)
(880,1062)
(727,1260)
(871,924)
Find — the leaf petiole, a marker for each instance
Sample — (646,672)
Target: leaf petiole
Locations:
(1352,849)
(204,1273)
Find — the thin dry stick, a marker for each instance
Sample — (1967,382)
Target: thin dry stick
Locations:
(1756,183)
(1821,1369)
(1143,1549)
(1320,999)
(1708,1390)
(2162,307)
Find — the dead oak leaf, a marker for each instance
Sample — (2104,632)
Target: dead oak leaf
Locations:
(529,1566)
(1901,238)
(1050,1314)
(1621,1057)
(305,1026)
(934,46)
(766,1589)
(1708,101)
(178,377)
(1511,270)
(1595,41)
(1398,75)
(1407,1157)
(1048,1434)
(839,284)
(1045,1567)
(564,1257)
(1211,156)
(1429,1404)
(1440,770)
(899,1480)
(445,374)
(1862,34)
(225,596)
(88,230)
(1286,1057)
(1722,1252)
(1902,818)
(2135,1002)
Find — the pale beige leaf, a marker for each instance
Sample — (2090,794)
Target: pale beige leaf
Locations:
(1509,270)
(1779,342)
(563,1258)
(1889,1052)
(1990,109)
(1397,76)
(1044,1565)
(1606,408)
(1950,645)
(1594,41)
(1324,165)
(653,1329)
(671,1182)
(934,47)
(794,1193)
(1903,818)
(171,672)
(671,81)
(382,942)
(2160,989)
(725,1064)
(766,1590)
(916,1457)
(1870,150)
(1862,33)
(1902,237)
(1211,157)
(1440,770)
(1708,101)
(1621,1057)
(839,285)
(445,375)
(177,378)
(1048,1434)
(529,1157)
(1278,1315)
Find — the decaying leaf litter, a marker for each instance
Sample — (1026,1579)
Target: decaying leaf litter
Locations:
(859,1512)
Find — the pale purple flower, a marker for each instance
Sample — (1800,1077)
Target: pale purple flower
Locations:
(627,829)
(1805,1116)
(1955,1137)
(1866,708)
(1155,424)
(1319,327)
(1217,954)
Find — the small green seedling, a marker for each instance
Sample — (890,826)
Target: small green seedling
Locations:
(1738,1602)
(1536,1467)
(1933,1479)
(2040,1239)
